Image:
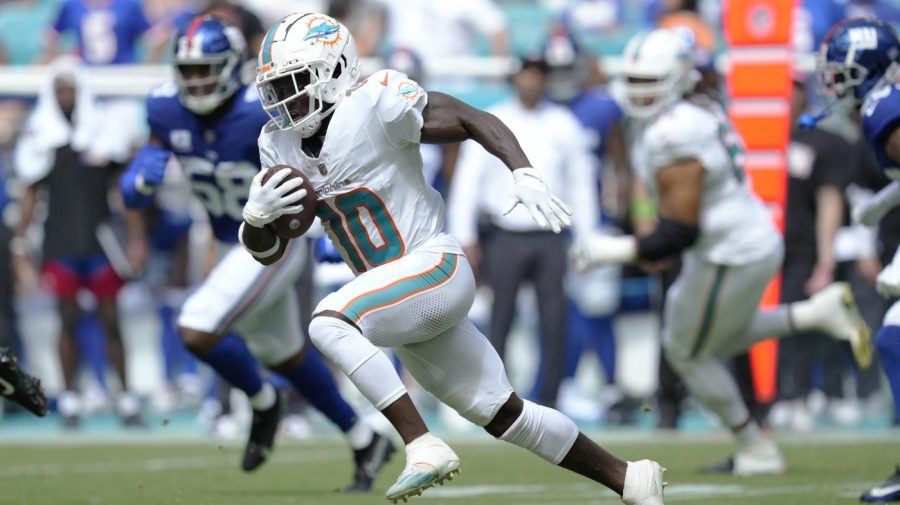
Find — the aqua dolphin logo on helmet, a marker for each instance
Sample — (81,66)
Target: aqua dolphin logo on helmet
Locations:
(324,30)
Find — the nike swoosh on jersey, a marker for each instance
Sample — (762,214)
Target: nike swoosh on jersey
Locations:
(8,388)
(385,80)
(878,492)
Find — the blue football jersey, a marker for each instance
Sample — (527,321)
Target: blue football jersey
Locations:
(106,34)
(598,112)
(880,116)
(219,157)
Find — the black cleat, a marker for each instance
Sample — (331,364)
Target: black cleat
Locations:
(20,387)
(262,435)
(887,491)
(369,461)
(726,466)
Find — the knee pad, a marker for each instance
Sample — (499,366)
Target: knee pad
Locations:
(370,369)
(543,431)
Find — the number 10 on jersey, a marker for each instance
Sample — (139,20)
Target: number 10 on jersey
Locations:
(363,227)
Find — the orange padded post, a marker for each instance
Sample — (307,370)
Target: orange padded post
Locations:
(758,33)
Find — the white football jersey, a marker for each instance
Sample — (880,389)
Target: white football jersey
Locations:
(735,226)
(373,198)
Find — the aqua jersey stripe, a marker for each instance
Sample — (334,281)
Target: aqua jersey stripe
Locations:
(709,312)
(402,289)
(267,43)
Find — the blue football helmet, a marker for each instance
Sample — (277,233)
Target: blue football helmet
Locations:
(209,60)
(857,56)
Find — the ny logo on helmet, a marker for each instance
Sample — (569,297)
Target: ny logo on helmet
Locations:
(863,37)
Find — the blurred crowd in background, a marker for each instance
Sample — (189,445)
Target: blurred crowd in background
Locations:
(89,291)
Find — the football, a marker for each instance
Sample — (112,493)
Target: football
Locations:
(291,226)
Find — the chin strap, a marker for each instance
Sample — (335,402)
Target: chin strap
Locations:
(810,121)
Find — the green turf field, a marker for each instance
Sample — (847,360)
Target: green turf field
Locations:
(198,473)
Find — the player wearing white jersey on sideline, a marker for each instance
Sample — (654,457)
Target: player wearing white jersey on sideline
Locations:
(691,161)
(358,143)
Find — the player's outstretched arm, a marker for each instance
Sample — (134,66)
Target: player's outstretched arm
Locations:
(447,119)
(680,190)
(145,172)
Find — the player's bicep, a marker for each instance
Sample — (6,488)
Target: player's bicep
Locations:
(444,119)
(680,191)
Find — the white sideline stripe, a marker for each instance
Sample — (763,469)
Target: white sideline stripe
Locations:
(584,493)
(468,491)
(227,460)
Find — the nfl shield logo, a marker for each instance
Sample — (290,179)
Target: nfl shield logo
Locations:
(323,169)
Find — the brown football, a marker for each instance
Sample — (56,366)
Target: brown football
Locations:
(294,225)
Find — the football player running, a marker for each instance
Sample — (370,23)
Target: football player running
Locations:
(858,64)
(208,119)
(690,160)
(358,143)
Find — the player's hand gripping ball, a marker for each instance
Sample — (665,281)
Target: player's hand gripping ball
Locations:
(294,224)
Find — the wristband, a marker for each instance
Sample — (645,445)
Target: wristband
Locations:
(259,254)
(644,208)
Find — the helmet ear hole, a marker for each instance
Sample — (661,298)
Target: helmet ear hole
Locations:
(339,68)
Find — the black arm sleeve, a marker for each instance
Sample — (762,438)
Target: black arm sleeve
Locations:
(669,239)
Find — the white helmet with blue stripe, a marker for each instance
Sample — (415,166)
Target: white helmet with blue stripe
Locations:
(306,63)
(657,71)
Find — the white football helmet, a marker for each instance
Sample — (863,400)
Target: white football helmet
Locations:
(309,56)
(657,71)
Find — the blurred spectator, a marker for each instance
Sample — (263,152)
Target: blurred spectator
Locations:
(593,17)
(22,28)
(819,164)
(365,20)
(7,314)
(106,31)
(813,19)
(515,249)
(594,295)
(249,23)
(884,10)
(700,14)
(62,151)
(440,28)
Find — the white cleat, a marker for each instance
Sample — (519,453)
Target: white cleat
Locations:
(643,483)
(841,319)
(429,461)
(762,457)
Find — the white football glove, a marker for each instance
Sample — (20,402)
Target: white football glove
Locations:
(547,210)
(870,212)
(267,202)
(888,281)
(597,249)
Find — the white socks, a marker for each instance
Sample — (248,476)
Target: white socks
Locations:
(264,399)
